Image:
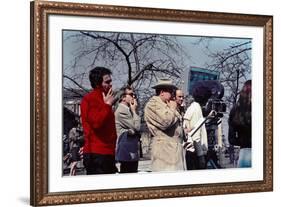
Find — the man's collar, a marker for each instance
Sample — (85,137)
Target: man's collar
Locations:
(125,105)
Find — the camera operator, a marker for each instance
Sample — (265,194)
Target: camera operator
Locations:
(198,143)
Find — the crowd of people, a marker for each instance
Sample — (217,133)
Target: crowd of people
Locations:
(113,137)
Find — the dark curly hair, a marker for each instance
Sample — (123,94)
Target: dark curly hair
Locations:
(201,94)
(96,75)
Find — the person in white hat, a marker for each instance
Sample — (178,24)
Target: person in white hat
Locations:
(163,122)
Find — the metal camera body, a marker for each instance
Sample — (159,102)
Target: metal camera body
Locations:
(215,102)
(216,105)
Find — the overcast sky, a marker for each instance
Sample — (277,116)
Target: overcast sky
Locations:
(197,54)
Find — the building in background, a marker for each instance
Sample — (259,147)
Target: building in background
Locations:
(194,74)
(71,108)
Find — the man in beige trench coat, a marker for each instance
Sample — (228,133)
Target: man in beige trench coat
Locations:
(163,122)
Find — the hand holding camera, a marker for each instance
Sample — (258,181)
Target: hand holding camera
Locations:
(212,114)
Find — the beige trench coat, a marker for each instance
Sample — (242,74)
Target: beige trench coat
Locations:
(165,128)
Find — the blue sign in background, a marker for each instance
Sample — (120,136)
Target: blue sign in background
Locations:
(198,74)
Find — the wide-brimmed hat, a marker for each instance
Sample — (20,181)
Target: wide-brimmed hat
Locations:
(164,83)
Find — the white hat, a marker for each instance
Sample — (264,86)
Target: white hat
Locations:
(164,83)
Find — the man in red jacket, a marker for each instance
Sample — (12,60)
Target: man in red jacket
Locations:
(99,124)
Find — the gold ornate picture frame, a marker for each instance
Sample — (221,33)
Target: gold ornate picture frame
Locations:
(41,11)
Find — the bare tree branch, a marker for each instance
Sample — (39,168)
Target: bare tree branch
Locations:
(77,84)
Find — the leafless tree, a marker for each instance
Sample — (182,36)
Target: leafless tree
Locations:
(137,60)
(234,64)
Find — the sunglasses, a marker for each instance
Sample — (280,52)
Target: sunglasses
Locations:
(131,94)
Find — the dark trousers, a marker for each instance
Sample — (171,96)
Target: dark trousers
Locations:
(194,162)
(129,167)
(99,164)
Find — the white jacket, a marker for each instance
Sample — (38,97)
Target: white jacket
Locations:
(193,115)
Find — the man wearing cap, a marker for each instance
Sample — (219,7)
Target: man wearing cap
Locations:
(163,122)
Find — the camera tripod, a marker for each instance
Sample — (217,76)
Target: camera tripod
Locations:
(214,135)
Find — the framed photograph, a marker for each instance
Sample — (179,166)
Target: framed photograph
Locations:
(222,57)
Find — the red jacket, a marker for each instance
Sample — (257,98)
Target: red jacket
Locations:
(98,124)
